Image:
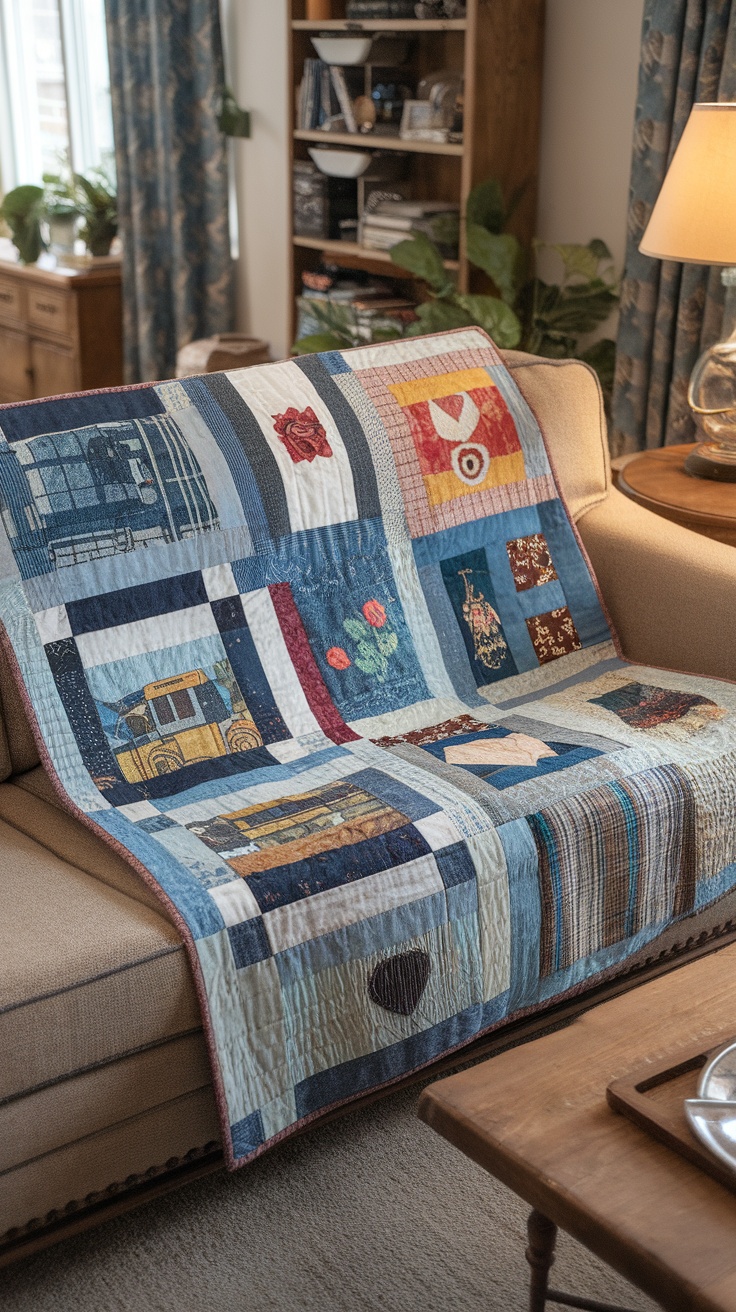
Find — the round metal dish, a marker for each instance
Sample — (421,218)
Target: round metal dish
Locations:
(712,1115)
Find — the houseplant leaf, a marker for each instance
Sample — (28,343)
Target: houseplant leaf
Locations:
(21,209)
(485,206)
(497,318)
(497,254)
(419,255)
(437,316)
(316,342)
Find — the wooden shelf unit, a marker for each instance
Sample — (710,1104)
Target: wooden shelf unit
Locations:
(377,142)
(352,251)
(379,25)
(499,48)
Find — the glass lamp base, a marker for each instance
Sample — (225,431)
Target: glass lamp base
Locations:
(712,398)
(713,460)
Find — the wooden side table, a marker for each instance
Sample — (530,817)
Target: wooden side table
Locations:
(536,1117)
(657,480)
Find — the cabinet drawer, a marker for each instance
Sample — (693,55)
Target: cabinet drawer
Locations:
(50,309)
(54,369)
(11,298)
(16,376)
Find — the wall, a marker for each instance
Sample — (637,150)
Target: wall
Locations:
(591,67)
(254,33)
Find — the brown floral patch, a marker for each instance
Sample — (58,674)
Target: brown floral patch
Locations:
(553,634)
(531,563)
(434,733)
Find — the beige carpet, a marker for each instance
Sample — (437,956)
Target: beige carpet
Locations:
(374,1213)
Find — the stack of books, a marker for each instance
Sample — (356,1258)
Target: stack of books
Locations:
(326,92)
(371,304)
(393,221)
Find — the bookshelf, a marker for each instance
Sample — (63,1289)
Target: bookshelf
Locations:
(499,48)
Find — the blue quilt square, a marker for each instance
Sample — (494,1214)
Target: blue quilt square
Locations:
(469,586)
(249,942)
(247,1135)
(455,865)
(349,604)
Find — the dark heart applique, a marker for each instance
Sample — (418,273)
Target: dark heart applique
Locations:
(398,983)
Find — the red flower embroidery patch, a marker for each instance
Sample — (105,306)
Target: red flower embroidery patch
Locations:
(302,434)
(338,658)
(375,614)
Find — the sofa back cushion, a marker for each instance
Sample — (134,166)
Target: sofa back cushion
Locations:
(18,751)
(565,396)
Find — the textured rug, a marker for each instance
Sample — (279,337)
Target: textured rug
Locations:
(374,1212)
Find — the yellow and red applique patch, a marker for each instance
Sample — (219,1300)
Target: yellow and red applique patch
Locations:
(463,433)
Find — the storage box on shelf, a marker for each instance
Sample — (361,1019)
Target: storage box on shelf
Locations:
(498,50)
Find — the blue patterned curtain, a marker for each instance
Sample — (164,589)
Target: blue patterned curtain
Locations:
(166,74)
(669,312)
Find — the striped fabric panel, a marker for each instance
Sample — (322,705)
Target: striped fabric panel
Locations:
(612,861)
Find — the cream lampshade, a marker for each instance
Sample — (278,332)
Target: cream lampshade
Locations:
(694,221)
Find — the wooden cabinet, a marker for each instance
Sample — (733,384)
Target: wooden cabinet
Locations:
(498,47)
(60,330)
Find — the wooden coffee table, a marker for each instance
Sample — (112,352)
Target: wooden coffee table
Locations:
(657,479)
(536,1117)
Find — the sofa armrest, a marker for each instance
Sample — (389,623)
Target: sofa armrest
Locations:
(671,593)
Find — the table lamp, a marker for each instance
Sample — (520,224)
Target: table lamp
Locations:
(694,220)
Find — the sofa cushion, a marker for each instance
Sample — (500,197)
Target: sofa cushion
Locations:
(566,398)
(87,972)
(71,1109)
(18,751)
(99,1166)
(31,804)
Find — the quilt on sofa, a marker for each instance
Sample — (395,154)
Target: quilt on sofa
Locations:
(315,644)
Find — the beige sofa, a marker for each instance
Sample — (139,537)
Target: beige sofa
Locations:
(105,1091)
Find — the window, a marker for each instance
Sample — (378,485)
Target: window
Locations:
(54,88)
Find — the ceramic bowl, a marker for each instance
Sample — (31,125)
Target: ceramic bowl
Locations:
(341,163)
(343,49)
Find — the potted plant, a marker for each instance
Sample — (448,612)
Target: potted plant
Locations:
(61,211)
(98,205)
(21,210)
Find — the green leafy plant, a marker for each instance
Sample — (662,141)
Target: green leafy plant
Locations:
(543,318)
(97,200)
(557,315)
(231,119)
(340,329)
(21,210)
(497,253)
(59,200)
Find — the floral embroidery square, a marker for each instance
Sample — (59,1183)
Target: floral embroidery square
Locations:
(531,563)
(553,634)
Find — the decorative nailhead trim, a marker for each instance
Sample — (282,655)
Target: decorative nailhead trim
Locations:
(114,1188)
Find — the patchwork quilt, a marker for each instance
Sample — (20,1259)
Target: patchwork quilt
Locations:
(315,646)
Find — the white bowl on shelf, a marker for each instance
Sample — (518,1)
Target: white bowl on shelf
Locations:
(341,163)
(343,49)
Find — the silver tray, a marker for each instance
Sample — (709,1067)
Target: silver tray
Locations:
(712,1115)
